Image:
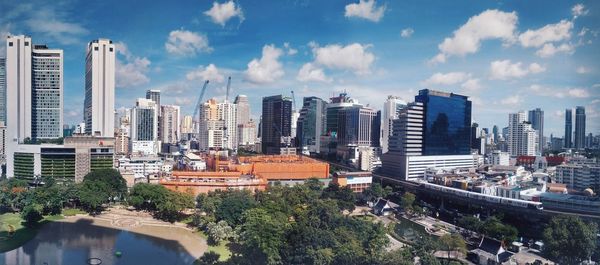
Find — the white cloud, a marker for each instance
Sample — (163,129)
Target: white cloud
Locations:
(4,33)
(447,79)
(187,43)
(132,71)
(407,32)
(472,85)
(595,101)
(366,9)
(354,57)
(210,72)
(511,100)
(549,33)
(490,24)
(559,93)
(504,69)
(579,10)
(267,69)
(583,31)
(548,50)
(289,49)
(183,101)
(221,13)
(582,70)
(309,72)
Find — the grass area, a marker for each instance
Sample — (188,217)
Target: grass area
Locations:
(72,212)
(10,223)
(368,218)
(221,249)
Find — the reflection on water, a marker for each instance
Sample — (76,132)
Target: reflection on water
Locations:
(74,243)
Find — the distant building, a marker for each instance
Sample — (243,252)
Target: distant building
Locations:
(169,121)
(247,134)
(536,118)
(218,126)
(568,128)
(276,123)
(121,142)
(579,127)
(522,138)
(3,89)
(392,106)
(187,125)
(500,158)
(579,176)
(358,126)
(311,123)
(99,104)
(144,127)
(154,95)
(242,110)
(205,182)
(357,181)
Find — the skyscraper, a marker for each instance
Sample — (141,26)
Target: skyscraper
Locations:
(446,123)
(170,124)
(218,125)
(3,90)
(356,126)
(99,105)
(580,127)
(311,123)
(243,109)
(187,125)
(391,108)
(536,118)
(568,128)
(18,90)
(522,138)
(153,95)
(144,128)
(47,93)
(495,133)
(276,123)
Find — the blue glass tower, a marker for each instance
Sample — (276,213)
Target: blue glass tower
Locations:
(446,124)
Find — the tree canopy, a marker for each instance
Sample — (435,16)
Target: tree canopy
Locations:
(569,240)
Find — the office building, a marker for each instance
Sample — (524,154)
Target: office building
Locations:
(495,134)
(170,124)
(536,118)
(47,93)
(568,128)
(522,138)
(187,125)
(121,142)
(579,140)
(356,127)
(276,123)
(99,104)
(247,133)
(2,143)
(3,89)
(579,176)
(311,123)
(154,95)
(243,109)
(144,127)
(335,104)
(392,106)
(499,158)
(218,125)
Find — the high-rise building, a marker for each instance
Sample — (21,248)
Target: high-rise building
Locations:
(568,128)
(391,108)
(446,123)
(536,118)
(579,127)
(47,93)
(3,89)
(337,103)
(34,93)
(170,124)
(246,133)
(243,109)
(187,125)
(356,126)
(218,125)
(99,105)
(153,95)
(311,123)
(522,138)
(144,121)
(407,131)
(495,133)
(276,123)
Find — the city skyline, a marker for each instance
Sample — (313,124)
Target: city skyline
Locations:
(521,62)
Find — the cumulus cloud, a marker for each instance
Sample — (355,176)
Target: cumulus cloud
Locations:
(132,71)
(186,43)
(4,33)
(289,49)
(549,33)
(267,69)
(451,78)
(503,70)
(210,72)
(310,72)
(221,13)
(407,32)
(490,24)
(472,85)
(354,57)
(366,9)
(582,70)
(579,10)
(549,50)
(511,100)
(559,93)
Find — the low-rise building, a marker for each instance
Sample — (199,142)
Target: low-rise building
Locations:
(357,181)
(579,176)
(194,162)
(147,166)
(203,182)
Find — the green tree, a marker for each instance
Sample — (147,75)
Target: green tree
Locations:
(100,187)
(233,204)
(470,223)
(208,258)
(569,240)
(453,242)
(262,236)
(408,199)
(493,227)
(218,232)
(173,204)
(344,196)
(32,214)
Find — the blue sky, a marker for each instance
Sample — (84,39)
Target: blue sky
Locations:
(506,55)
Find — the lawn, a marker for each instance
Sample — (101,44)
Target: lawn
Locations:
(221,249)
(72,212)
(22,234)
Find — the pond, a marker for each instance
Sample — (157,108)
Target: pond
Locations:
(410,230)
(77,241)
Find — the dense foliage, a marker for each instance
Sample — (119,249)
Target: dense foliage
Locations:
(165,204)
(569,240)
(492,227)
(303,224)
(100,187)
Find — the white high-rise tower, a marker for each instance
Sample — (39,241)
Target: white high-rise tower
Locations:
(99,106)
(392,106)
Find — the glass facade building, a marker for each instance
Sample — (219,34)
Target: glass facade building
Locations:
(447,123)
(276,122)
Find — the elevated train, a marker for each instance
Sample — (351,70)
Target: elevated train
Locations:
(482,197)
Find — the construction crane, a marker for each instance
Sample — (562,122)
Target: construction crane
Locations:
(228,87)
(197,109)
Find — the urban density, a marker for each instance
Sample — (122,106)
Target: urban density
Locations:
(215,169)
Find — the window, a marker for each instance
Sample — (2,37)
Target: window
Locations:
(10,44)
(26,43)
(111,49)
(95,48)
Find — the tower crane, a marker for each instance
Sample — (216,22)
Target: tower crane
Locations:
(197,109)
